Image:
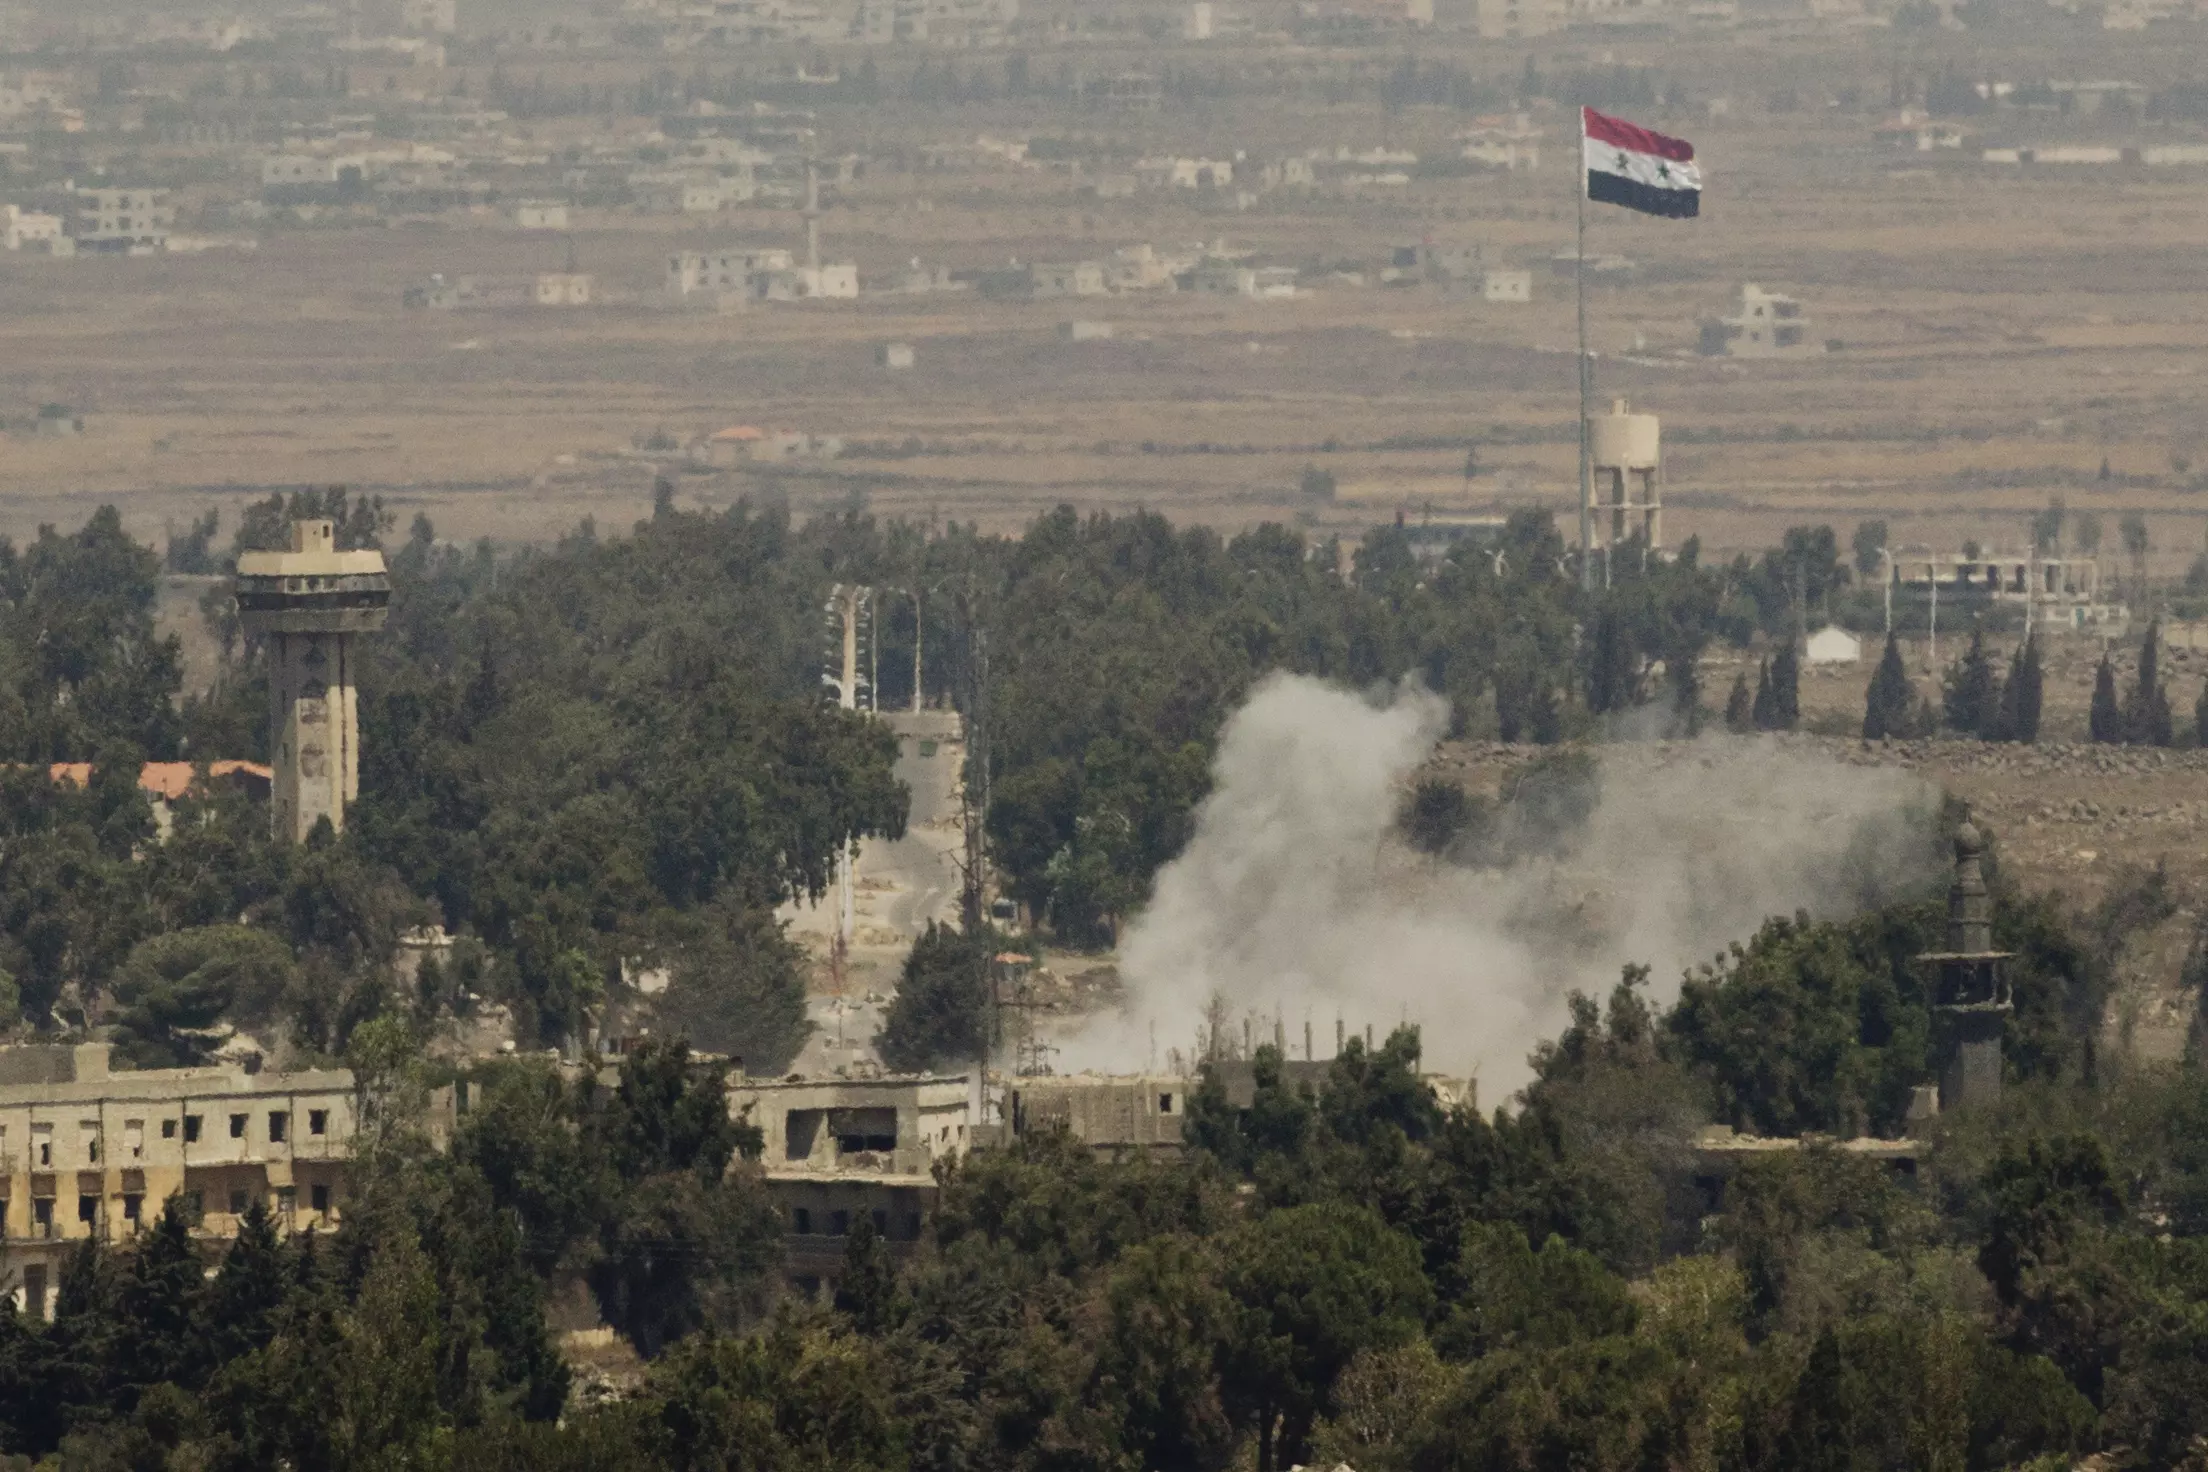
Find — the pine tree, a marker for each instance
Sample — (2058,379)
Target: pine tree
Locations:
(1763,711)
(2147,719)
(1740,706)
(1786,688)
(157,1297)
(1886,707)
(2106,719)
(1969,699)
(2020,695)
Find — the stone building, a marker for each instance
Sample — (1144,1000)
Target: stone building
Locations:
(87,1151)
(839,1149)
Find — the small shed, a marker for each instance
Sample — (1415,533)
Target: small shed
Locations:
(1833,646)
(894,355)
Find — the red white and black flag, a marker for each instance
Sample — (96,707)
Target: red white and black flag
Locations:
(1639,169)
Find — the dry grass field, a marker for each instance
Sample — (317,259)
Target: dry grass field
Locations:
(2003,333)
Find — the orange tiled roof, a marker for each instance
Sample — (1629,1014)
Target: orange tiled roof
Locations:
(167,780)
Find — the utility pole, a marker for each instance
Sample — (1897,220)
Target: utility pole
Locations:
(845,603)
(976,797)
(919,631)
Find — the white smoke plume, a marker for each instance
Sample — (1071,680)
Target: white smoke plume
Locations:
(1294,901)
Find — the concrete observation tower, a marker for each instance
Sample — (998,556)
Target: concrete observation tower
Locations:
(307,604)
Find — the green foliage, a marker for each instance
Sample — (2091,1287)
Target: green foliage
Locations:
(737,987)
(175,990)
(1867,544)
(2105,718)
(1516,1298)
(2146,710)
(1887,707)
(1312,1287)
(2021,695)
(1740,707)
(1971,694)
(1435,815)
(940,1016)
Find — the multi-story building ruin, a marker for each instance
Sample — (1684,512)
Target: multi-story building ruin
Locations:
(87,1152)
(838,1150)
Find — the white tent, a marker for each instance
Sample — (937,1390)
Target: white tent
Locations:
(1833,646)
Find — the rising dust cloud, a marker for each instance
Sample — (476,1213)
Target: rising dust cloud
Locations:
(1293,899)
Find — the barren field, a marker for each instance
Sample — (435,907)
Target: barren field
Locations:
(2001,333)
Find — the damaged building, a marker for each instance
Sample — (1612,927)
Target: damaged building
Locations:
(838,1150)
(89,1151)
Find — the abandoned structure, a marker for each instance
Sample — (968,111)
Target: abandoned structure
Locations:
(307,604)
(1764,324)
(1625,492)
(1971,998)
(839,1149)
(86,1152)
(2057,592)
(1108,1112)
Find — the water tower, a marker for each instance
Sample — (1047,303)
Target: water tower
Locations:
(1626,452)
(306,604)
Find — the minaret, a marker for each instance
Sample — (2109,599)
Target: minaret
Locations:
(307,604)
(1971,1004)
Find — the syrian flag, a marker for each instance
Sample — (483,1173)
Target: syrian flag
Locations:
(1639,169)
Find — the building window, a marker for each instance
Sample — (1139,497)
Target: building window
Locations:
(46,1152)
(287,1200)
(1165,1103)
(912,1226)
(133,1207)
(881,1223)
(237,1126)
(801,1222)
(839,1223)
(278,1122)
(91,1133)
(42,1215)
(318,1197)
(168,1129)
(318,1121)
(191,1129)
(237,1203)
(88,1208)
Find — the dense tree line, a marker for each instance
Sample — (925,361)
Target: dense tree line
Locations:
(610,755)
(587,759)
(1341,1269)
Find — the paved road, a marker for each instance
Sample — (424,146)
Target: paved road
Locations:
(902,885)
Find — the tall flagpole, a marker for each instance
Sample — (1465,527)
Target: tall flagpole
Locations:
(1579,288)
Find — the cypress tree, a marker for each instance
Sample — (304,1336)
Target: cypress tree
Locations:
(1886,707)
(1763,711)
(1970,700)
(2106,719)
(1786,687)
(2147,709)
(2020,695)
(1740,706)
(2200,716)
(1612,668)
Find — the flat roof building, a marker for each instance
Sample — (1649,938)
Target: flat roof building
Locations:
(88,1151)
